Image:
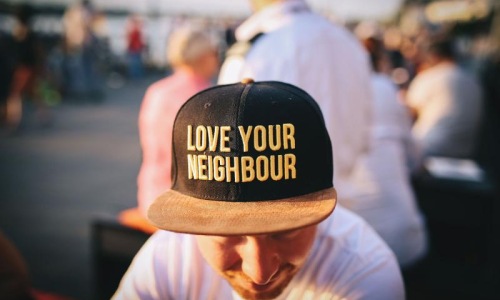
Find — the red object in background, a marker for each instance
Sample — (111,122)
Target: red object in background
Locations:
(135,44)
(40,295)
(134,219)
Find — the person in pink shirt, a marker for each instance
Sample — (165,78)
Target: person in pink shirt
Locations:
(193,55)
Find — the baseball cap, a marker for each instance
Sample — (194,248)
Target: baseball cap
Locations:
(247,158)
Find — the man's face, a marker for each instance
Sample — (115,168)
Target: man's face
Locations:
(258,266)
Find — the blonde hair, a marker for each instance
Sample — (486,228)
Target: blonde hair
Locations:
(187,44)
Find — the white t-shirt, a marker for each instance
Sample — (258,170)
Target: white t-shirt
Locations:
(347,261)
(449,107)
(304,49)
(385,199)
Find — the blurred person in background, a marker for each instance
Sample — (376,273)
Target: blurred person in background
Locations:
(15,278)
(27,56)
(387,201)
(135,47)
(402,69)
(193,55)
(446,102)
(15,283)
(5,74)
(82,77)
(77,25)
(487,154)
(284,40)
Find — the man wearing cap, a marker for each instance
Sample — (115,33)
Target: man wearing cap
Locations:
(284,40)
(249,213)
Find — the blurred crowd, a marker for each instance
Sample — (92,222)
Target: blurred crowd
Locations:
(78,52)
(432,91)
(86,50)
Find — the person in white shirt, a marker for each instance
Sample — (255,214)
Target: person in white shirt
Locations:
(249,214)
(284,40)
(386,199)
(447,103)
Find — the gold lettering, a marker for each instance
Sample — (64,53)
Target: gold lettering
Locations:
(201,138)
(259,138)
(210,170)
(202,167)
(290,161)
(213,135)
(262,168)
(276,171)
(190,145)
(235,169)
(192,166)
(288,135)
(274,146)
(224,138)
(219,171)
(245,136)
(242,169)
(247,169)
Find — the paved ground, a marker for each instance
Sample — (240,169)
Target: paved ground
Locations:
(55,181)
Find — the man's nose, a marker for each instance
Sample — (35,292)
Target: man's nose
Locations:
(260,262)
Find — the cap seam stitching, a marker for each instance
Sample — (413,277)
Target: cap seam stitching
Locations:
(241,107)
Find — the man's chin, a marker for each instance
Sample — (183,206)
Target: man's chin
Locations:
(254,292)
(259,295)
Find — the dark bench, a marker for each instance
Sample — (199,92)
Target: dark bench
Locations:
(463,220)
(113,248)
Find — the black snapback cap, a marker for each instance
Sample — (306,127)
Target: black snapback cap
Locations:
(247,158)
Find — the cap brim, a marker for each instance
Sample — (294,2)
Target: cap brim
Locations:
(177,212)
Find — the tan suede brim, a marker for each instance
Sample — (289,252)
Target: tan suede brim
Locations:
(177,212)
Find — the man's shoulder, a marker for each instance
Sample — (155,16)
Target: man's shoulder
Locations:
(310,35)
(437,74)
(313,26)
(175,89)
(163,236)
(353,244)
(164,85)
(350,259)
(354,235)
